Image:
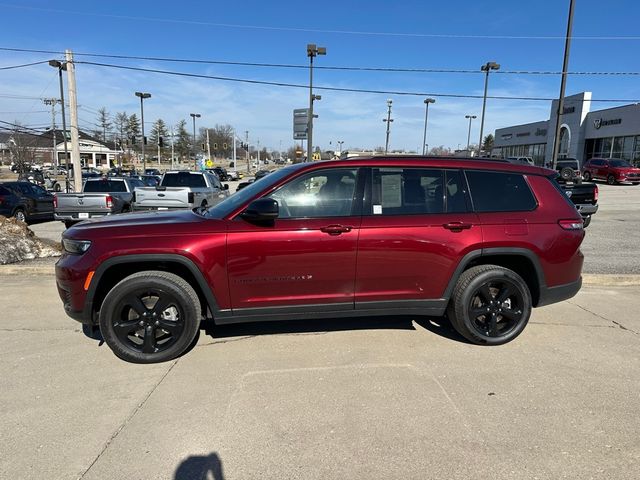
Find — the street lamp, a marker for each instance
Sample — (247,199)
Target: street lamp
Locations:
(312,52)
(142,97)
(62,66)
(194,116)
(388,120)
(470,117)
(427,101)
(487,67)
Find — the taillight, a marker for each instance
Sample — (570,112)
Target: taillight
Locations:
(572,224)
(55,201)
(109,201)
(595,193)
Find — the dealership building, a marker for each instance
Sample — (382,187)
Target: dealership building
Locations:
(609,133)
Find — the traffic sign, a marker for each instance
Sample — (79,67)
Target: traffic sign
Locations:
(300,123)
(209,163)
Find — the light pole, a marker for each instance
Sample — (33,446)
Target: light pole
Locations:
(142,96)
(427,101)
(340,143)
(470,117)
(63,66)
(487,67)
(388,120)
(312,51)
(194,116)
(563,83)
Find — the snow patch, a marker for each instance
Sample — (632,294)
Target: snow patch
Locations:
(18,243)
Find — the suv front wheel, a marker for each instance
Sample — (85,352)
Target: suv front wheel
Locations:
(491,305)
(150,317)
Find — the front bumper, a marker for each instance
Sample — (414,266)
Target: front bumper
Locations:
(71,274)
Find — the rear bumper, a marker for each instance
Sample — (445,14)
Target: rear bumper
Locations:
(143,208)
(549,295)
(587,209)
(74,216)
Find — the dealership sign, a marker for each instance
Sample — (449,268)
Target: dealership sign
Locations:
(599,122)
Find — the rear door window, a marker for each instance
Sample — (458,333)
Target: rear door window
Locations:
(416,191)
(500,192)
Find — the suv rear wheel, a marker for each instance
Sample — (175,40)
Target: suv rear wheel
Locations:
(491,305)
(150,317)
(611,180)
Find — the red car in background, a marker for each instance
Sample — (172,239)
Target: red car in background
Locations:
(612,170)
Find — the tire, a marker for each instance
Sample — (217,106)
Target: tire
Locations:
(566,174)
(586,176)
(636,183)
(611,180)
(475,290)
(586,221)
(68,224)
(19,215)
(139,333)
(57,187)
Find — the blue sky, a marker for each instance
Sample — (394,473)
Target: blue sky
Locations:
(398,34)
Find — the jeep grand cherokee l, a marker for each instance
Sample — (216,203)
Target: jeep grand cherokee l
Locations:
(480,241)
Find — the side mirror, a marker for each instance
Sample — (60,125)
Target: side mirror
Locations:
(226,186)
(262,209)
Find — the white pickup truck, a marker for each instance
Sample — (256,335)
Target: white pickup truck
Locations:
(181,190)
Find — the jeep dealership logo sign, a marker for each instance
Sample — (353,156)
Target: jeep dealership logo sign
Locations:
(599,122)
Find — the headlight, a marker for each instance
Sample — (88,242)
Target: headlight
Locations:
(77,247)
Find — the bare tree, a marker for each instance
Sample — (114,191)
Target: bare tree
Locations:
(22,149)
(104,121)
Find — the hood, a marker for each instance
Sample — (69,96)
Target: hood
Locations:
(133,220)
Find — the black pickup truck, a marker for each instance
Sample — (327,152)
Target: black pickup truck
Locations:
(585,198)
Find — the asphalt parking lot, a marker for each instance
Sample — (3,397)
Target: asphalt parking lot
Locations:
(365,398)
(371,398)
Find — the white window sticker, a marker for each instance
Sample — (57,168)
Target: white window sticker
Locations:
(377,209)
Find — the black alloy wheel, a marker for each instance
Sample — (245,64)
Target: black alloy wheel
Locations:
(586,176)
(150,317)
(611,180)
(491,305)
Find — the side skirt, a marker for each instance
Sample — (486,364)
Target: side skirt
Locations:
(434,308)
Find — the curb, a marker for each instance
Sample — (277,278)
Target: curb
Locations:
(588,279)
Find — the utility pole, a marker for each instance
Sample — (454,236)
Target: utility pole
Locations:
(172,147)
(246,134)
(75,134)
(388,120)
(258,143)
(235,164)
(158,149)
(208,145)
(52,102)
(563,84)
(195,161)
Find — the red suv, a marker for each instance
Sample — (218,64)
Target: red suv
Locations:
(613,170)
(481,241)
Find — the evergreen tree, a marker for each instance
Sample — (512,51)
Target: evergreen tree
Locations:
(158,130)
(487,144)
(182,139)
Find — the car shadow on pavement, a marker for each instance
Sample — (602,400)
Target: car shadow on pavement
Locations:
(201,467)
(437,325)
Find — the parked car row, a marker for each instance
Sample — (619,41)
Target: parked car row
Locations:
(611,170)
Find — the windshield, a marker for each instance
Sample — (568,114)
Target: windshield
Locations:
(619,163)
(227,206)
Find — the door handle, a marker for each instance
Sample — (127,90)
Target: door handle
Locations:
(335,229)
(457,226)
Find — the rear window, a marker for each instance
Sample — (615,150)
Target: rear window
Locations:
(500,192)
(568,163)
(184,179)
(105,186)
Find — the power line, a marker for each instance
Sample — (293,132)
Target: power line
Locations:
(10,67)
(315,31)
(336,89)
(321,67)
